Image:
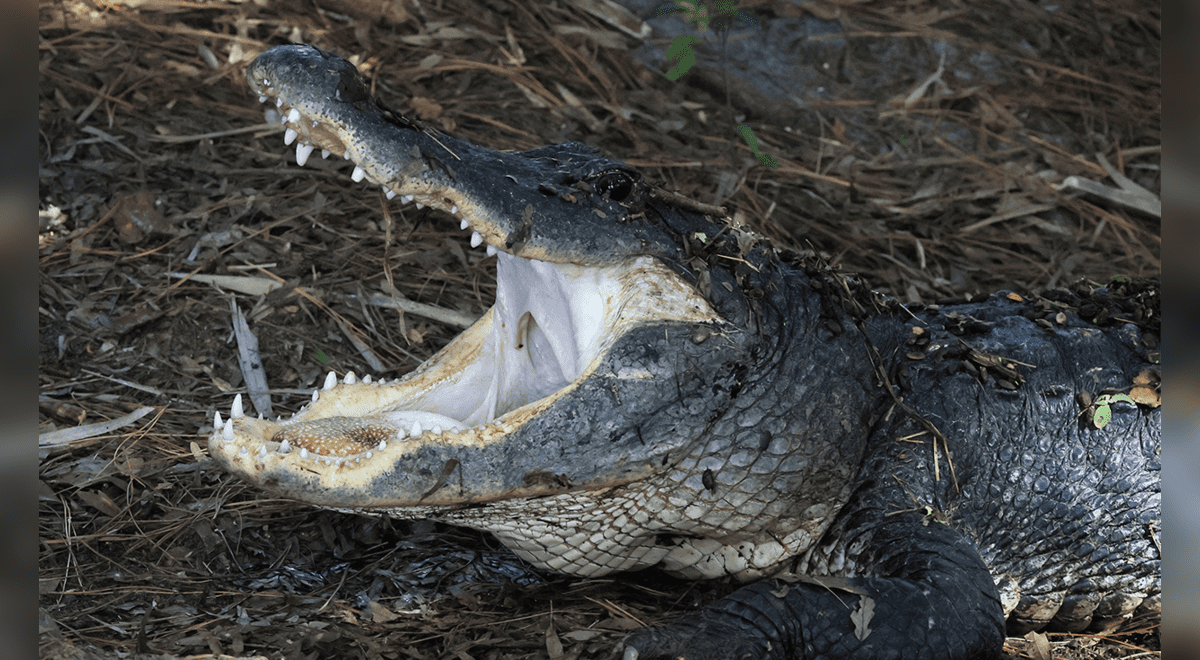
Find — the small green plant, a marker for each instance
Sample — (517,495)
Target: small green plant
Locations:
(1099,412)
(720,15)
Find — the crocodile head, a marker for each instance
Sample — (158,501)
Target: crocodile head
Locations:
(572,419)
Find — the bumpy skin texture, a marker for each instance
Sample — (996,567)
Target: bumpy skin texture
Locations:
(948,501)
(1051,508)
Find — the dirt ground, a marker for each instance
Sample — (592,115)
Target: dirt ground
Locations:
(158,172)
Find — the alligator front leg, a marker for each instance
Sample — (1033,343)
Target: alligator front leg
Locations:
(932,598)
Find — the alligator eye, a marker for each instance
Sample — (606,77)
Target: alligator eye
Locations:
(617,184)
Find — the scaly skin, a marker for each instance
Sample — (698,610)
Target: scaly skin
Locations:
(901,482)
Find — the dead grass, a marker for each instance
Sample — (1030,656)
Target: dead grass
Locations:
(150,174)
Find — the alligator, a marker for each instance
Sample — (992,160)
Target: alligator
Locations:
(657,386)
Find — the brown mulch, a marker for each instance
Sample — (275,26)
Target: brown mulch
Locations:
(154,175)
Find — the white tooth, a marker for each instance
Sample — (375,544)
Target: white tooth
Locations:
(401,434)
(420,206)
(217,420)
(491,250)
(302,153)
(366,379)
(389,193)
(289,136)
(294,116)
(278,102)
(262,98)
(303,452)
(382,445)
(358,174)
(236,410)
(346,154)
(416,429)
(404,199)
(454,210)
(324,154)
(227,430)
(243,451)
(437,430)
(316,123)
(367,456)
(262,451)
(350,378)
(316,395)
(464,224)
(476,239)
(285,446)
(330,381)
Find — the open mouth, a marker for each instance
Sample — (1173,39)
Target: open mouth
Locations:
(549,330)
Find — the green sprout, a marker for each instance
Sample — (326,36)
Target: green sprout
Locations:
(1101,408)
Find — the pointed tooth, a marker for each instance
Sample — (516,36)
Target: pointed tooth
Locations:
(382,445)
(289,136)
(420,206)
(404,199)
(243,452)
(330,381)
(294,116)
(324,154)
(350,378)
(316,395)
(285,446)
(262,451)
(437,430)
(278,102)
(303,452)
(416,429)
(464,224)
(236,409)
(227,430)
(454,210)
(389,193)
(491,250)
(217,420)
(303,151)
(262,98)
(358,174)
(366,456)
(367,379)
(476,239)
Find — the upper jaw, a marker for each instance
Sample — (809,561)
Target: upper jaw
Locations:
(551,204)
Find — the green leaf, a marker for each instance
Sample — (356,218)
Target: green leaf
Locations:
(1102,416)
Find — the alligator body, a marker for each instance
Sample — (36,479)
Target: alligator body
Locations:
(656,387)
